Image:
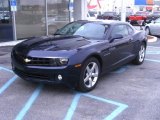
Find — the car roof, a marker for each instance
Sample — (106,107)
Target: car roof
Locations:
(109,22)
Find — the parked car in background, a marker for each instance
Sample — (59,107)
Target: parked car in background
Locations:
(108,16)
(138,18)
(127,16)
(153,16)
(153,28)
(4,16)
(79,53)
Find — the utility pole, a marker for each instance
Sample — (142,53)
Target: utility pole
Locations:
(123,11)
(13,5)
(46,16)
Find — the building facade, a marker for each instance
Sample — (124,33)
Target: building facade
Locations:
(38,17)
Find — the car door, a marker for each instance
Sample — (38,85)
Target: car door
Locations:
(155,28)
(120,49)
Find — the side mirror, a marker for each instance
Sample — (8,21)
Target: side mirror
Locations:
(116,36)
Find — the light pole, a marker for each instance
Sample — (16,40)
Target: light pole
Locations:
(123,11)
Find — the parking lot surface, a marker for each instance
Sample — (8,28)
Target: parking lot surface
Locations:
(128,93)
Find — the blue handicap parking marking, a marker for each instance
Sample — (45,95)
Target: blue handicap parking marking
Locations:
(6,69)
(31,100)
(153,52)
(9,82)
(153,60)
(115,113)
(72,108)
(154,47)
(29,103)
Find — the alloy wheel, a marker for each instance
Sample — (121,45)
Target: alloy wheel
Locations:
(142,53)
(91,74)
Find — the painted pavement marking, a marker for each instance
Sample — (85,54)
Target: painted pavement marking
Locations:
(29,103)
(74,104)
(153,60)
(9,82)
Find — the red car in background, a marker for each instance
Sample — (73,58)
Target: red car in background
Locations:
(138,18)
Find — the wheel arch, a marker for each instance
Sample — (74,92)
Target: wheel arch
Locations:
(98,57)
(150,31)
(144,42)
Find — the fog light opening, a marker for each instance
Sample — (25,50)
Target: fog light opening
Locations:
(60,77)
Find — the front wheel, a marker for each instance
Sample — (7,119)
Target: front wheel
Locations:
(141,55)
(89,75)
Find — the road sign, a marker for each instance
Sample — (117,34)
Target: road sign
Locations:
(71,6)
(13,4)
(144,2)
(140,2)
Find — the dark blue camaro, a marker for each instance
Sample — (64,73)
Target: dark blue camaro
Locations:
(79,52)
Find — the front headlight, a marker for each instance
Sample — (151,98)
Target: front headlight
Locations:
(63,61)
(59,61)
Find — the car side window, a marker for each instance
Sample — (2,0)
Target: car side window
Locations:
(130,30)
(119,29)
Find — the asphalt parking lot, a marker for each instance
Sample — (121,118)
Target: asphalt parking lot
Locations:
(129,93)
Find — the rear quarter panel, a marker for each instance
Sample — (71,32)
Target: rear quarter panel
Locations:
(139,37)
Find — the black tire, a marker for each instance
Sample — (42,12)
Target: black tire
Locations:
(82,85)
(147,30)
(140,58)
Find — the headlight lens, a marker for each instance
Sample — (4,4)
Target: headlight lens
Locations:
(63,61)
(59,61)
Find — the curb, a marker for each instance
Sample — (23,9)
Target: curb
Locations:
(151,38)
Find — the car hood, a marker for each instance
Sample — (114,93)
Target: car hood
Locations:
(54,46)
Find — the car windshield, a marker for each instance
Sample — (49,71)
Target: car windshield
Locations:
(87,30)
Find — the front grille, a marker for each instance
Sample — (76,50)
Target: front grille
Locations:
(34,61)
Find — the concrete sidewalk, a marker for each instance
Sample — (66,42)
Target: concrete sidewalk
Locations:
(11,43)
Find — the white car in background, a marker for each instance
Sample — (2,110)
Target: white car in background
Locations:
(153,28)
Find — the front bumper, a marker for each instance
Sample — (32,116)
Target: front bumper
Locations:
(70,74)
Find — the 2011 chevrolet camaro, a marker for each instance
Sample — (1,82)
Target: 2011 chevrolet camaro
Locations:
(79,53)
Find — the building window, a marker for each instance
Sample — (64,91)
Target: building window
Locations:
(30,17)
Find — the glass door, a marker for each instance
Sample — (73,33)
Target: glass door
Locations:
(6,33)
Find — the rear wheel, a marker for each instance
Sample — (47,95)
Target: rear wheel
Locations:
(147,30)
(141,55)
(89,75)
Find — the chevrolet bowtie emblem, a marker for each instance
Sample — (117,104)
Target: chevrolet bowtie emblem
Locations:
(27,60)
